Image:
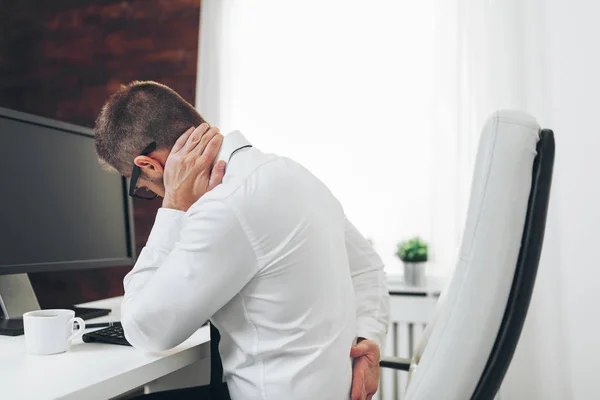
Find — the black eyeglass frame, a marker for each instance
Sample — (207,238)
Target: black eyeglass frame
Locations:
(137,171)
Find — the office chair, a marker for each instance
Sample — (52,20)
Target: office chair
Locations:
(466,350)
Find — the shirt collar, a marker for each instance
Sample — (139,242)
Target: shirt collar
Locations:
(231,143)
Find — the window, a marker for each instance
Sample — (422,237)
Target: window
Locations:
(343,87)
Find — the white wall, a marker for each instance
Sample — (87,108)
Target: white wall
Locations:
(559,354)
(575,82)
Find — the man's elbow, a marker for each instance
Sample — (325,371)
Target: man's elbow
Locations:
(147,334)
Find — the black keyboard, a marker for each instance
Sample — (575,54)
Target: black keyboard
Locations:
(113,334)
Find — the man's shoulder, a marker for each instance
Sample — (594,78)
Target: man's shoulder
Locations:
(254,179)
(240,178)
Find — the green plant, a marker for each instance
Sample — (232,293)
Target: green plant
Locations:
(413,250)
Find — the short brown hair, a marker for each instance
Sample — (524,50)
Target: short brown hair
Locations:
(136,115)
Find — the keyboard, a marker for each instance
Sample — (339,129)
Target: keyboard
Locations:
(113,335)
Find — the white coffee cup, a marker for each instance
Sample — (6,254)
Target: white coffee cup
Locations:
(51,331)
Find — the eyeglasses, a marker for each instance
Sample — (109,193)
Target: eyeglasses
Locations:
(141,193)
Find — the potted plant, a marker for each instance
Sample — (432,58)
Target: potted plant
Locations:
(413,253)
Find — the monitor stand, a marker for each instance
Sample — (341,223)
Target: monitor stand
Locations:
(17,297)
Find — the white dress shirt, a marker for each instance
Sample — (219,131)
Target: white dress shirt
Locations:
(271,259)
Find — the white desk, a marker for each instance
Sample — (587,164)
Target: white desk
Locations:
(434,285)
(92,370)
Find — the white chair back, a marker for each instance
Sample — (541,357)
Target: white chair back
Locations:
(456,346)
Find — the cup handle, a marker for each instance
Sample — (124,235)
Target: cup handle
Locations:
(76,333)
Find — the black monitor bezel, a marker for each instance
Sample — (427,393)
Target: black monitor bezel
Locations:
(127,204)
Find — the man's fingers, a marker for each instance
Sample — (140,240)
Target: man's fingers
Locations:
(195,137)
(216,176)
(206,138)
(182,139)
(212,149)
(358,350)
(358,392)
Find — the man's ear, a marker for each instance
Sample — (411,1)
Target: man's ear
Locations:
(150,166)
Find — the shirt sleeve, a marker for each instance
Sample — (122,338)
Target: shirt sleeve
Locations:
(370,287)
(192,265)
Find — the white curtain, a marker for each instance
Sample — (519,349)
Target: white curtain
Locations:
(346,88)
(477,71)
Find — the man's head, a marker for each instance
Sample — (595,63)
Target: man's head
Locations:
(135,116)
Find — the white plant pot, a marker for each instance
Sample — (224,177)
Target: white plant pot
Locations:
(414,273)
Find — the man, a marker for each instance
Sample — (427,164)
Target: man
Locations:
(263,250)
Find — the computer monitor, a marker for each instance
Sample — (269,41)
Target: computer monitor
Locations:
(59,209)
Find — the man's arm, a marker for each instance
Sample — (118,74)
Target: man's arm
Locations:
(370,287)
(206,142)
(164,234)
(187,271)
(372,312)
(184,276)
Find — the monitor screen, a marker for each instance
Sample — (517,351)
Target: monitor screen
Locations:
(58,208)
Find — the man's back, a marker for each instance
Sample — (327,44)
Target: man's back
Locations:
(268,254)
(288,332)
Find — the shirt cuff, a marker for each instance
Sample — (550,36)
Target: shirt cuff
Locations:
(372,334)
(166,229)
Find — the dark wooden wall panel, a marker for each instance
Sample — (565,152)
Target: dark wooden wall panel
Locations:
(62,58)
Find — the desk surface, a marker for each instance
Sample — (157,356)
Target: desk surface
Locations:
(433,285)
(89,370)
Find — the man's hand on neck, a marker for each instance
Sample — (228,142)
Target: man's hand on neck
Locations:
(190,169)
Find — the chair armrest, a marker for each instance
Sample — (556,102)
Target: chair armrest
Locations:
(402,364)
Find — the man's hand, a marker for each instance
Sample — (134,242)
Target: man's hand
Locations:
(365,371)
(189,173)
